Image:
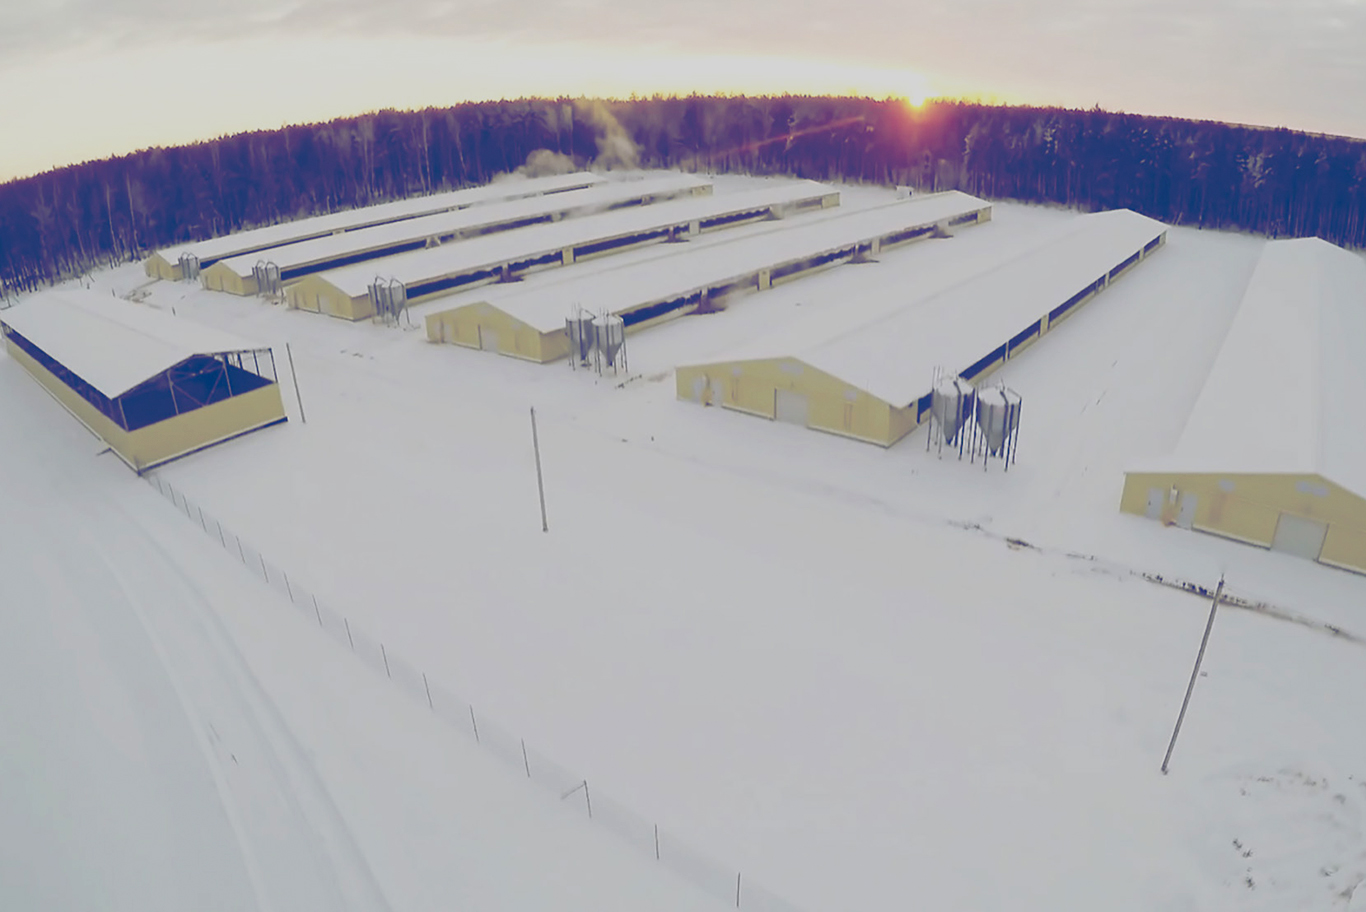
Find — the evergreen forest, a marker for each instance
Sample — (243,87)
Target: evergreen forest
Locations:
(1274,182)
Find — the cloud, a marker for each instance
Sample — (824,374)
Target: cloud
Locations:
(253,63)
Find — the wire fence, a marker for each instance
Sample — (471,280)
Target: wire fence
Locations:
(725,883)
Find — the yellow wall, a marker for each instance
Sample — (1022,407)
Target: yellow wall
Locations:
(316,294)
(157,443)
(158,267)
(1247,507)
(476,325)
(832,405)
(219,277)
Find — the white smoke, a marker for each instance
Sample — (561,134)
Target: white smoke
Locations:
(545,163)
(540,163)
(616,149)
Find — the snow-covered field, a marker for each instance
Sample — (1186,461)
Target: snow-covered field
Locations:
(821,662)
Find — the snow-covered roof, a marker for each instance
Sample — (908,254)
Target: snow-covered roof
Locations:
(691,270)
(523,243)
(1285,392)
(890,346)
(110,343)
(476,219)
(210,251)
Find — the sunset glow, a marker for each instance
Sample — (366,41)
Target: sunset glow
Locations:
(89,80)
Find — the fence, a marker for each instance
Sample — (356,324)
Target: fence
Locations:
(726,884)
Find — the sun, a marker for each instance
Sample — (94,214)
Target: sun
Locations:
(918,92)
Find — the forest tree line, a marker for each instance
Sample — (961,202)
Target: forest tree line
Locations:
(1274,182)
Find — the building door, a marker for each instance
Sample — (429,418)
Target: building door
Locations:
(1156,497)
(718,391)
(1299,536)
(488,339)
(699,386)
(789,407)
(1185,516)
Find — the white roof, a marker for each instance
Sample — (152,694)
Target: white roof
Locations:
(110,343)
(1286,391)
(475,219)
(689,271)
(210,251)
(893,353)
(522,243)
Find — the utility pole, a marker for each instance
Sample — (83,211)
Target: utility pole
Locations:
(1195,673)
(295,378)
(540,479)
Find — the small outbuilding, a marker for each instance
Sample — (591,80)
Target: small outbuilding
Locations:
(1274,451)
(152,386)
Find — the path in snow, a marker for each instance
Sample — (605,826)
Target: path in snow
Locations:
(147,767)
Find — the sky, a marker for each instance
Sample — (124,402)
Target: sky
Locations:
(83,79)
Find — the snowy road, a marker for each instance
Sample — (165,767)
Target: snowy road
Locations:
(176,738)
(142,762)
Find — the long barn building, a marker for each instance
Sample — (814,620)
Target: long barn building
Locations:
(352,292)
(530,324)
(186,260)
(1274,451)
(151,386)
(870,379)
(244,275)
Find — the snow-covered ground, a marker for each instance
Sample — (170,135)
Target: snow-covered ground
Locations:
(820,661)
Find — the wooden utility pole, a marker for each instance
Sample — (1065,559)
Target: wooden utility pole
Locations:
(1195,673)
(540,479)
(295,378)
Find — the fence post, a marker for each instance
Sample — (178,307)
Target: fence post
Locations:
(316,613)
(264,571)
(474,722)
(349,639)
(737,889)
(288,587)
(385,655)
(656,842)
(525,762)
(427,687)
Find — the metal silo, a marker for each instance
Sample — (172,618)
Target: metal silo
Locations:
(609,332)
(951,404)
(579,328)
(998,423)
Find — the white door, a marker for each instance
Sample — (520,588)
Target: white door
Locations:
(699,386)
(1299,536)
(488,339)
(789,407)
(718,391)
(1185,516)
(1156,497)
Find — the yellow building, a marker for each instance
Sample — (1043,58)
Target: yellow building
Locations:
(292,262)
(151,386)
(864,368)
(1274,451)
(359,291)
(186,260)
(530,323)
